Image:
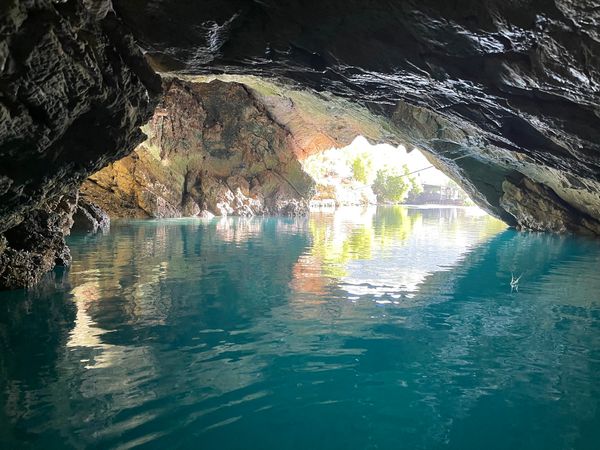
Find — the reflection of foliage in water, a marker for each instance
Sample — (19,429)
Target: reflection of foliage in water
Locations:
(353,234)
(325,248)
(394,224)
(336,242)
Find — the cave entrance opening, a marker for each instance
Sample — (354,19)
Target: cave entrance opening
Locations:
(363,174)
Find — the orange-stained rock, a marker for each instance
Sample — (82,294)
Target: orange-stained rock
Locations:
(211,147)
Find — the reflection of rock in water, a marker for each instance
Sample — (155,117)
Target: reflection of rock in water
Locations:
(34,328)
(175,327)
(308,277)
(237,229)
(137,293)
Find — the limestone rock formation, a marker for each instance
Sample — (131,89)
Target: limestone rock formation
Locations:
(498,92)
(540,209)
(89,217)
(36,244)
(212,147)
(74,89)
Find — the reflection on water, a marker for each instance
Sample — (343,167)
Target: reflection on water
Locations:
(390,250)
(375,328)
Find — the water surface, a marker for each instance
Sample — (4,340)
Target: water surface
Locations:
(365,329)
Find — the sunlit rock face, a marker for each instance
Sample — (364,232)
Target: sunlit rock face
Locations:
(212,147)
(510,88)
(74,89)
(229,145)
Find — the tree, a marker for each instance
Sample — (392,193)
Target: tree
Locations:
(361,168)
(391,186)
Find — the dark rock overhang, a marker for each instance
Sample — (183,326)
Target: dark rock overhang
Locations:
(510,88)
(74,90)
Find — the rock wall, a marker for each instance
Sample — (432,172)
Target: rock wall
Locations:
(37,244)
(498,92)
(74,89)
(213,148)
(89,217)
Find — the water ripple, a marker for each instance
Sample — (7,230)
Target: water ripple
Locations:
(387,328)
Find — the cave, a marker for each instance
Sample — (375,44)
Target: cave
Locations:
(153,197)
(503,98)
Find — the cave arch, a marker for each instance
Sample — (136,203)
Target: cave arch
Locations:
(514,87)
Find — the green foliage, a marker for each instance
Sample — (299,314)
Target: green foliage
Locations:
(361,168)
(315,166)
(391,186)
(415,188)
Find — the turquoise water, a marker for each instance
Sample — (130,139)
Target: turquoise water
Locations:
(387,329)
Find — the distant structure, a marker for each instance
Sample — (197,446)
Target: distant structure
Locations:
(450,194)
(322,204)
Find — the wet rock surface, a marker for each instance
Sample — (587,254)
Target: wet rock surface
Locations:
(495,91)
(538,208)
(89,217)
(74,89)
(503,96)
(36,244)
(212,147)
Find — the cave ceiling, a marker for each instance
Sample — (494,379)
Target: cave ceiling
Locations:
(502,95)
